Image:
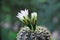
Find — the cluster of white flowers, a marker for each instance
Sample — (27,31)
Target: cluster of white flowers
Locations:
(23,15)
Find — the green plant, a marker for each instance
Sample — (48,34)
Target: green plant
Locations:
(31,31)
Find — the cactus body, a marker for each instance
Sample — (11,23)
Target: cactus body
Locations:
(40,33)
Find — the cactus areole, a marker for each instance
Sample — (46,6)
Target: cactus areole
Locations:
(31,31)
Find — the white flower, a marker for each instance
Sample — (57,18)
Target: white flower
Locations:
(22,14)
(34,16)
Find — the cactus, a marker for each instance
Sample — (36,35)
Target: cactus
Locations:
(41,33)
(31,31)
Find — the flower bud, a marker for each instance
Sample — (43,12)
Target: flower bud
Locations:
(33,17)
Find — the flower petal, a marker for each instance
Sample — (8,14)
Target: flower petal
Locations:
(20,16)
(26,11)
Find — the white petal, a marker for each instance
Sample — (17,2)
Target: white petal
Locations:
(20,16)
(22,12)
(26,11)
(34,15)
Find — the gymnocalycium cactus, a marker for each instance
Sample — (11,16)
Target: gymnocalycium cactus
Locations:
(31,31)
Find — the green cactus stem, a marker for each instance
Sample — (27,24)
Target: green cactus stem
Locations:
(40,33)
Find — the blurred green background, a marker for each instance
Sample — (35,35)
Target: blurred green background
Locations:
(48,15)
